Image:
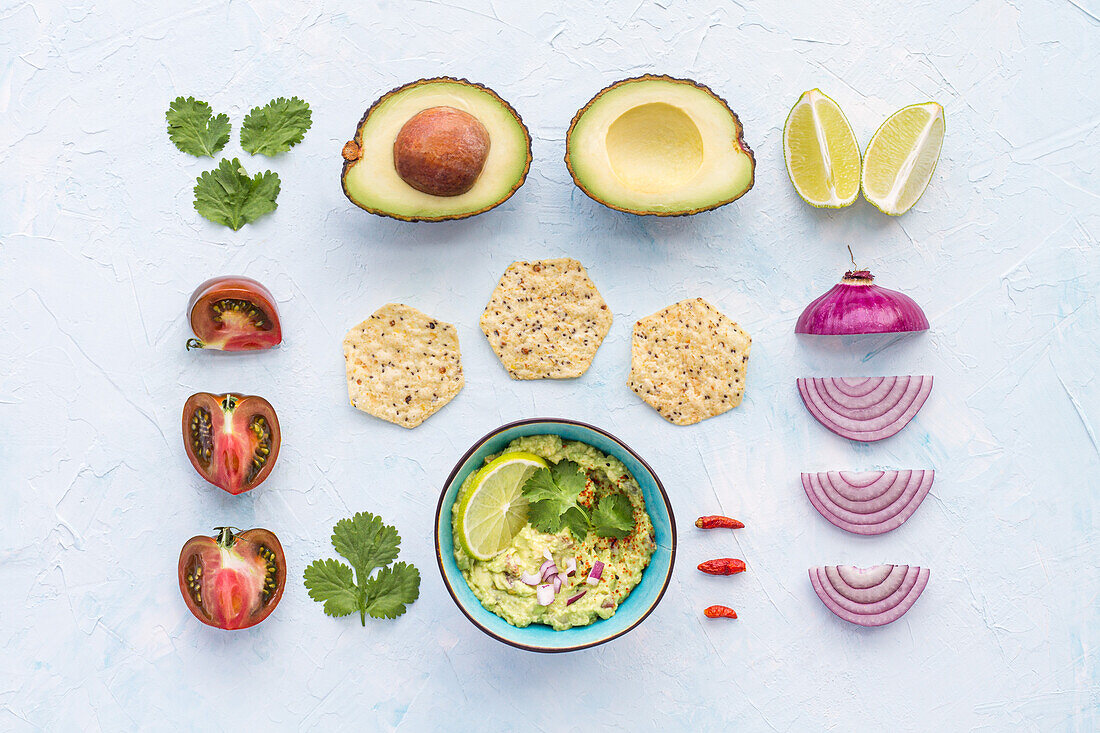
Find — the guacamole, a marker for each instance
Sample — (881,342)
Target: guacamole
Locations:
(496,582)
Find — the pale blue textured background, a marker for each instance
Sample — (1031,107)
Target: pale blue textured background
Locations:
(100,249)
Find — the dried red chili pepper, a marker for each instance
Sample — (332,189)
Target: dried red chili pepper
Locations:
(723,566)
(719,612)
(716,521)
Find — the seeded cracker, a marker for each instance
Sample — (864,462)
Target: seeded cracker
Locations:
(688,361)
(545,320)
(402,365)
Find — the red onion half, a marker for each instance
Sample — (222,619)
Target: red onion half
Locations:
(857,305)
(867,502)
(864,408)
(872,596)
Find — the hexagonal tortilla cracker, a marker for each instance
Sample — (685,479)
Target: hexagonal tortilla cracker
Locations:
(402,365)
(688,361)
(545,320)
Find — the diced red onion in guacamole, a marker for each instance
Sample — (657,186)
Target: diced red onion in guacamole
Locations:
(545,594)
(573,599)
(571,566)
(595,573)
(556,580)
(547,569)
(530,579)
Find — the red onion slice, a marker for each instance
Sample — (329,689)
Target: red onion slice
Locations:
(894,581)
(573,599)
(571,566)
(556,580)
(830,494)
(547,569)
(595,573)
(529,579)
(544,594)
(844,405)
(864,577)
(882,602)
(856,305)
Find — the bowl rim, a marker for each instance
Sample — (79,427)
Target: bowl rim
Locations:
(565,421)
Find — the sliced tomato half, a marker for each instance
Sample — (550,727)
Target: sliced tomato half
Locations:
(232,580)
(231,439)
(233,314)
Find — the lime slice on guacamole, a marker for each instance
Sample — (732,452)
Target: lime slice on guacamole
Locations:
(492,509)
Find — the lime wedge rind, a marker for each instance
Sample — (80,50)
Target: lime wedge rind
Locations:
(829,177)
(894,188)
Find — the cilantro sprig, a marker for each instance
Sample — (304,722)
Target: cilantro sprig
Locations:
(368,544)
(276,127)
(226,195)
(553,502)
(194,129)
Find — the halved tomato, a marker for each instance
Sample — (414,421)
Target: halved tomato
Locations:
(231,439)
(232,580)
(233,314)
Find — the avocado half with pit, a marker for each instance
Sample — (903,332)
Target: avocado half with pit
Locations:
(659,145)
(436,149)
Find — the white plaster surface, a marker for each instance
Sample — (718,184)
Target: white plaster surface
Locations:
(100,248)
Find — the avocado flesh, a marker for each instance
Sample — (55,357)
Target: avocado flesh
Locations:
(370,179)
(658,145)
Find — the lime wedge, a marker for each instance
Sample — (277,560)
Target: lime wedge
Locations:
(492,510)
(821,152)
(901,157)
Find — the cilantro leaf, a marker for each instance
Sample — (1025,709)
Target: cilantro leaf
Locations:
(330,582)
(614,516)
(560,485)
(275,127)
(552,495)
(366,542)
(390,591)
(577,522)
(553,502)
(544,516)
(570,477)
(545,502)
(194,129)
(226,195)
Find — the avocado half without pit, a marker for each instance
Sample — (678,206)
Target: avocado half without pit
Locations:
(436,149)
(659,145)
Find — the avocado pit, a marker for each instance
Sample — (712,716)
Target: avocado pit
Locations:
(441,151)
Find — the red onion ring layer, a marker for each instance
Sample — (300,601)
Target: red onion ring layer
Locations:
(852,503)
(865,409)
(843,590)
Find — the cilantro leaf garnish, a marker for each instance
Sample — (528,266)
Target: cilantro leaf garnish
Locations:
(226,195)
(553,502)
(391,590)
(613,516)
(551,492)
(194,129)
(276,127)
(331,582)
(367,544)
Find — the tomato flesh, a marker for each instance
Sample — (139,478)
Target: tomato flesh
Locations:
(232,440)
(232,580)
(233,314)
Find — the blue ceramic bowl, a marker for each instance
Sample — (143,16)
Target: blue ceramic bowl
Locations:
(538,637)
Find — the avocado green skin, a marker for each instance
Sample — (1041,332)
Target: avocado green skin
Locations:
(642,212)
(357,143)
